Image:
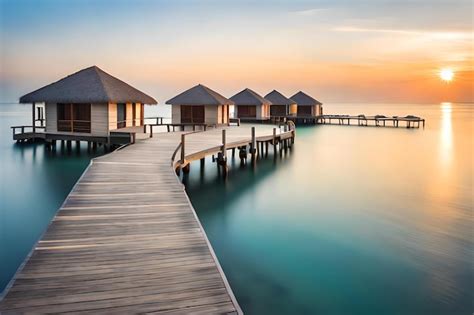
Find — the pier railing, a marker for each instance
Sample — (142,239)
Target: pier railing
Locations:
(257,146)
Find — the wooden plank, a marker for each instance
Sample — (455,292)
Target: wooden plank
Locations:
(127,239)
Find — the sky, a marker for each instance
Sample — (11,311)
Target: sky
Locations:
(337,51)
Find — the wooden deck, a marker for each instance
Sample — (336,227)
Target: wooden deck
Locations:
(408,121)
(127,239)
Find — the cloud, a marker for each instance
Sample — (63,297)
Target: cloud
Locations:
(309,12)
(442,35)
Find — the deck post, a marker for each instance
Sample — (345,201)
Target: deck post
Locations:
(33,118)
(224,145)
(274,142)
(223,161)
(183,143)
(183,151)
(253,146)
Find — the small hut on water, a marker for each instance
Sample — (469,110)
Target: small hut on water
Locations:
(281,105)
(87,106)
(307,106)
(250,105)
(200,106)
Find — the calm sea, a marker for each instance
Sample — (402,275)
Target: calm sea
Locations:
(354,220)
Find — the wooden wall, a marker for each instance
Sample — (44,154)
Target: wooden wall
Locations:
(318,111)
(138,112)
(99,120)
(176,114)
(128,115)
(212,114)
(51,117)
(112,116)
(293,109)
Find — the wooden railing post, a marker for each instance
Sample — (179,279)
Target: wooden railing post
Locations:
(274,142)
(224,146)
(254,145)
(33,118)
(182,147)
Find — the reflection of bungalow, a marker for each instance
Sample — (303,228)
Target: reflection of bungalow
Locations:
(200,105)
(88,105)
(250,105)
(281,105)
(307,106)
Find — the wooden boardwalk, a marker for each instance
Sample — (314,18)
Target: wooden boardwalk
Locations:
(127,239)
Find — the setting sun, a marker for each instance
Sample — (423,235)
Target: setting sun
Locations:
(446,75)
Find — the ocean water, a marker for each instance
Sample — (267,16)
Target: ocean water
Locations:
(352,220)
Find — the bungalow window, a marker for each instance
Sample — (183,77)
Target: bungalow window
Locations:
(192,114)
(245,111)
(278,110)
(305,110)
(121,115)
(74,117)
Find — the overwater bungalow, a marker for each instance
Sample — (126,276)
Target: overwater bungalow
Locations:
(89,105)
(250,105)
(306,105)
(281,105)
(200,106)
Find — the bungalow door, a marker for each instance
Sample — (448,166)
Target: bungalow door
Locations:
(74,117)
(278,110)
(198,114)
(121,116)
(305,110)
(192,114)
(247,111)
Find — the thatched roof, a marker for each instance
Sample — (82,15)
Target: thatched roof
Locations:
(303,99)
(90,85)
(278,99)
(199,95)
(249,97)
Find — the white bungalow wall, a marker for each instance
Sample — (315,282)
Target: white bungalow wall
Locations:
(99,120)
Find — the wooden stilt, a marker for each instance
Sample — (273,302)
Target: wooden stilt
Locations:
(223,161)
(253,146)
(274,142)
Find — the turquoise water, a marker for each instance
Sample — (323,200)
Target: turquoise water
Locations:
(33,184)
(352,221)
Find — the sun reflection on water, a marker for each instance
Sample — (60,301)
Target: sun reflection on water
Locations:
(446,135)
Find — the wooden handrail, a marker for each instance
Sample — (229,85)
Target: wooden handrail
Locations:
(174,154)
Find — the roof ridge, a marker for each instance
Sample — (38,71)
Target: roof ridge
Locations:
(210,92)
(104,88)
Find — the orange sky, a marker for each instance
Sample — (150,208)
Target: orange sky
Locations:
(337,51)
